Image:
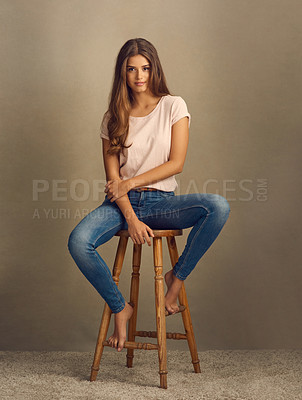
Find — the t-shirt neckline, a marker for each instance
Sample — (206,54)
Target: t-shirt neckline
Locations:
(154,109)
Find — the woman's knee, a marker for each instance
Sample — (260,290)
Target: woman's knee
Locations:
(215,203)
(71,244)
(221,205)
(76,240)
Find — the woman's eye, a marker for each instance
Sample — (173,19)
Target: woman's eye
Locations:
(132,69)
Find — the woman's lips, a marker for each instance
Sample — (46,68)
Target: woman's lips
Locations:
(139,83)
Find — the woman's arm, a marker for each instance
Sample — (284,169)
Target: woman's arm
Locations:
(179,144)
(137,229)
(112,167)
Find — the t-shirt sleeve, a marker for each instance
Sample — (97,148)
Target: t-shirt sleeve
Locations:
(104,130)
(180,110)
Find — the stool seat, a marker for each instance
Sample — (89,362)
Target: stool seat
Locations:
(156,232)
(160,333)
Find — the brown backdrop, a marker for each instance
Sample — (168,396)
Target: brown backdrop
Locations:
(237,64)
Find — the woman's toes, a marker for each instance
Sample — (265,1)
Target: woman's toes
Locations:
(170,310)
(175,309)
(121,344)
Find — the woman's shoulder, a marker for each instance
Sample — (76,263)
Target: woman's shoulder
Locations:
(175,103)
(171,99)
(177,108)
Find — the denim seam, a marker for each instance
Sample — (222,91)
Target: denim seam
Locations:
(119,309)
(115,285)
(194,238)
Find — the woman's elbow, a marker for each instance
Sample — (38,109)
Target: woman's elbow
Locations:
(178,168)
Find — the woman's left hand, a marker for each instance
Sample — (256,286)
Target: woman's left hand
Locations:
(116,188)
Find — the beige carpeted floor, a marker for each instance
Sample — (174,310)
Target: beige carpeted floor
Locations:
(236,374)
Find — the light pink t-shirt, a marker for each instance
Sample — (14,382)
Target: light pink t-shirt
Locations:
(151,140)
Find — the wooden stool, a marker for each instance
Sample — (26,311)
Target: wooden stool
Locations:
(160,333)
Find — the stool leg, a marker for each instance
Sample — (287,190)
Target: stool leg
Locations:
(160,311)
(136,262)
(118,263)
(186,316)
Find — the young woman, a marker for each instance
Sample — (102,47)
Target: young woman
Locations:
(145,134)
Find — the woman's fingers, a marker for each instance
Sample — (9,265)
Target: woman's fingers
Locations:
(146,239)
(145,236)
(150,231)
(141,234)
(148,234)
(107,186)
(137,239)
(140,238)
(134,240)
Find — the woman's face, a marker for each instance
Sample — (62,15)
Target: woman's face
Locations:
(137,73)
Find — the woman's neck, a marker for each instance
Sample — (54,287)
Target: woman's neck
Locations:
(143,101)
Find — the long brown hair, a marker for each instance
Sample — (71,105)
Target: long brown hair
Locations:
(121,97)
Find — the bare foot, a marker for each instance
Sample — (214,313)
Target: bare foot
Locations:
(118,338)
(174,285)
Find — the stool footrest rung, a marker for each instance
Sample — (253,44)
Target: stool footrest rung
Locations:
(169,335)
(136,345)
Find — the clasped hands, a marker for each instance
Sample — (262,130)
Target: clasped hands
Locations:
(116,188)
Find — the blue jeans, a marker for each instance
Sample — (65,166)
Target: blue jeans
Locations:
(205,212)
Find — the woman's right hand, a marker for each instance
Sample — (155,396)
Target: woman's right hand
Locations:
(139,232)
